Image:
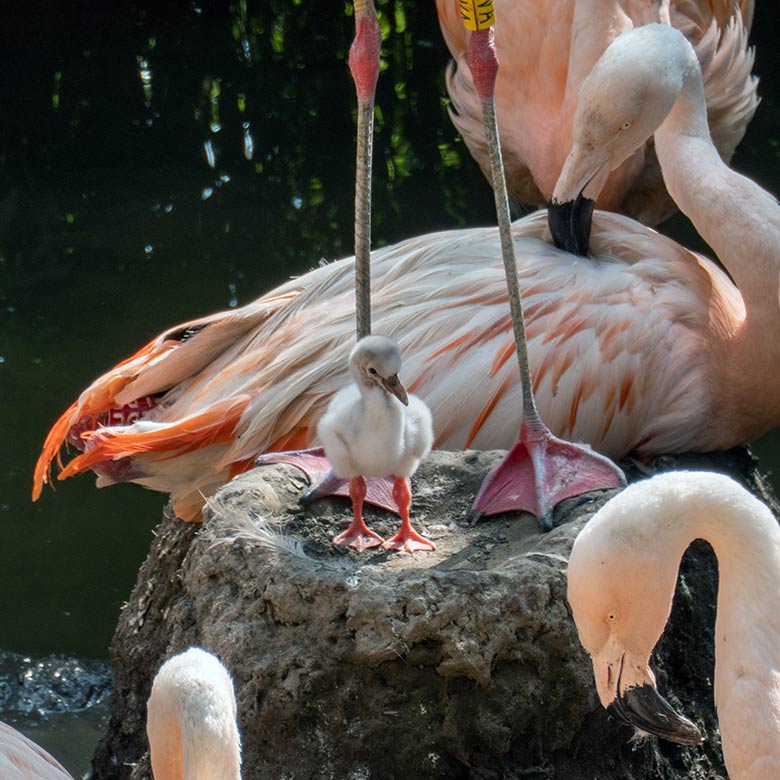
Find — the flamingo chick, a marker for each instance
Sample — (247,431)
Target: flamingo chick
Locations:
(373,428)
(622,573)
(191,719)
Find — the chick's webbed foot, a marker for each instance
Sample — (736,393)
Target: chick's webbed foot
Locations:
(407,539)
(358,534)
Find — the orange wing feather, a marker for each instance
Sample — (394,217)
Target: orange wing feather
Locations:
(214,426)
(258,379)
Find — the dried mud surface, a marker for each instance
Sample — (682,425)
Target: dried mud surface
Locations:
(460,663)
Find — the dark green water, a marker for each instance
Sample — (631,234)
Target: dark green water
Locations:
(160,161)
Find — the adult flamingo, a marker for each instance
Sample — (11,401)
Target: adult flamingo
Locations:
(622,572)
(191,723)
(642,348)
(547,50)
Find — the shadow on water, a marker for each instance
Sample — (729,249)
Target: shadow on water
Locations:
(163,161)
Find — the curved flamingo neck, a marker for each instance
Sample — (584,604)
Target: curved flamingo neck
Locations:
(738,219)
(595,24)
(660,518)
(627,559)
(746,540)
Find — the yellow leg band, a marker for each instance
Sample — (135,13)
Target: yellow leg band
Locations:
(477,14)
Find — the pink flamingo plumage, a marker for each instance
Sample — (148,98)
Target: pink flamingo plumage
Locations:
(643,348)
(22,759)
(191,721)
(547,49)
(621,581)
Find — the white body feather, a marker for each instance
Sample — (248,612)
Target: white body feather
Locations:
(371,433)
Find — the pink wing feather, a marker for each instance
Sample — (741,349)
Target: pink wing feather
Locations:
(616,348)
(22,759)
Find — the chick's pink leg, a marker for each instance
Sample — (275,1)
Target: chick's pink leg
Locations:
(407,538)
(324,482)
(358,534)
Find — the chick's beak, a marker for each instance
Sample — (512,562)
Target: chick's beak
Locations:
(393,385)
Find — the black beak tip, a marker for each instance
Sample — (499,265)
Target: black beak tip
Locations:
(570,224)
(645,709)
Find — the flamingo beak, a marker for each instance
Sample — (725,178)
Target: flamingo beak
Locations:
(393,386)
(635,701)
(584,174)
(570,224)
(646,710)
(570,212)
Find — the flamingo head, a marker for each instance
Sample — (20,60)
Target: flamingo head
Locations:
(623,101)
(620,588)
(375,362)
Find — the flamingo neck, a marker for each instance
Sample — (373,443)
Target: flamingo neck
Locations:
(211,760)
(738,219)
(746,540)
(595,24)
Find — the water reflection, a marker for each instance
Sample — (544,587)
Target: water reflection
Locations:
(51,685)
(162,163)
(60,703)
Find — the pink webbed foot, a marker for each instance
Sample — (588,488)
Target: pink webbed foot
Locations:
(324,482)
(407,539)
(539,472)
(358,535)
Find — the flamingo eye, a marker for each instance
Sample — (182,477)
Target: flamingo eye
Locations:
(625,125)
(612,616)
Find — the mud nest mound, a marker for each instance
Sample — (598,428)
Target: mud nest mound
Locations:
(459,663)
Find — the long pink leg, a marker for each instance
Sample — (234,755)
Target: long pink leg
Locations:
(540,470)
(407,538)
(358,534)
(364,65)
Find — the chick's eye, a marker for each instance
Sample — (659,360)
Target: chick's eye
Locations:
(372,371)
